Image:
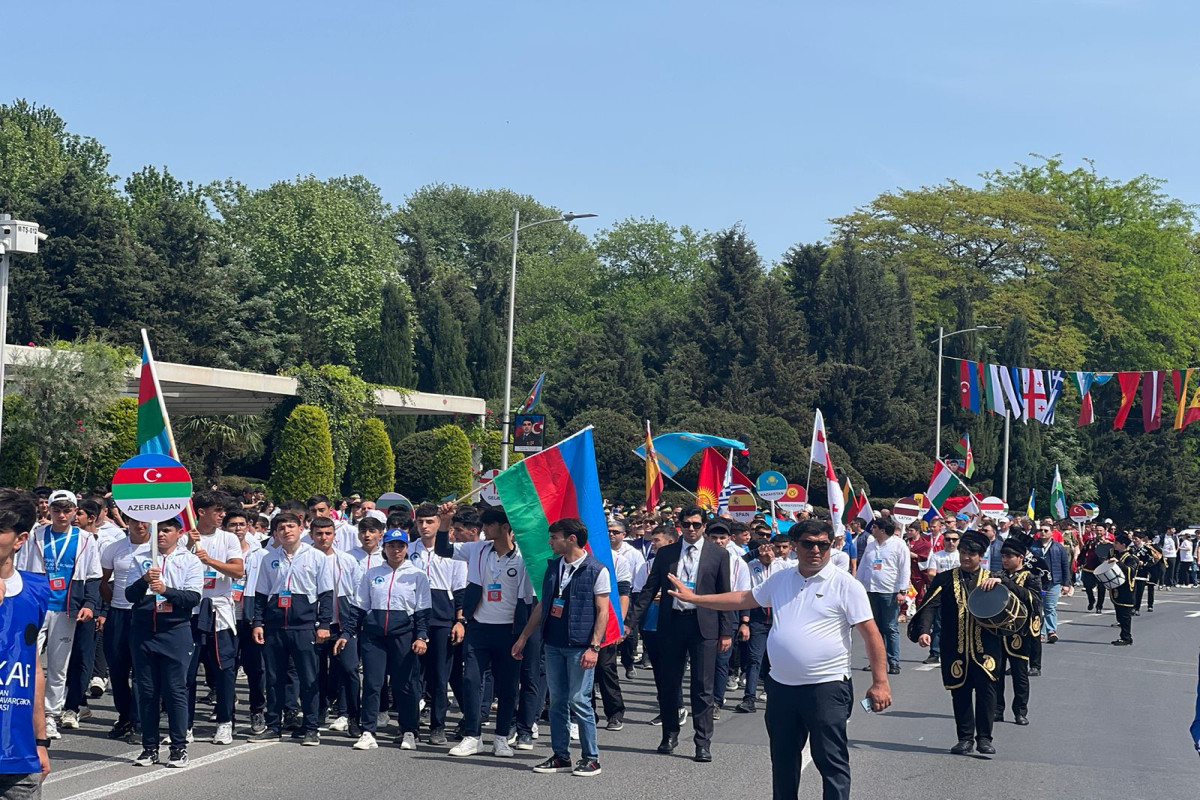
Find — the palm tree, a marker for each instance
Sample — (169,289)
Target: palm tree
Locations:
(219,439)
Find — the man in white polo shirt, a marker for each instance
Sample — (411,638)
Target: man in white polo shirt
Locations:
(884,570)
(809,692)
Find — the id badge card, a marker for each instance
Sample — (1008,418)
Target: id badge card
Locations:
(210,579)
(493,592)
(239,589)
(690,584)
(877,564)
(285,599)
(556,609)
(58,582)
(162,604)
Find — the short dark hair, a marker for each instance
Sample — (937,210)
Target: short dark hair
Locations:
(425,510)
(294,507)
(736,527)
(571,526)
(209,499)
(493,514)
(316,499)
(666,530)
(370,524)
(1124,539)
(18,510)
(233,512)
(811,527)
(91,506)
(692,511)
(322,522)
(282,517)
(887,525)
(467,517)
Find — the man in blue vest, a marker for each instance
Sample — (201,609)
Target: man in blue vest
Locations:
(572,615)
(24,600)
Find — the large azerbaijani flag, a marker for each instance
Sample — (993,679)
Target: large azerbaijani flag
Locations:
(561,481)
(153,426)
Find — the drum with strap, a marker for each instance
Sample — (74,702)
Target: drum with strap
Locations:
(998,609)
(1110,575)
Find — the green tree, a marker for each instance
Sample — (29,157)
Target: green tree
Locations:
(616,434)
(443,350)
(450,465)
(19,459)
(67,389)
(215,441)
(372,467)
(35,147)
(119,422)
(414,465)
(346,399)
(393,361)
(302,464)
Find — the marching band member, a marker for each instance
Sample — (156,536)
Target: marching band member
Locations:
(1019,643)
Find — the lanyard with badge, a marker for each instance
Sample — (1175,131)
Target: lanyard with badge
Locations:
(57,548)
(689,567)
(210,574)
(494,592)
(877,564)
(284,598)
(565,571)
(239,584)
(161,603)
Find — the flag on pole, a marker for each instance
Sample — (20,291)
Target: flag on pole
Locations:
(654,481)
(1129,384)
(153,425)
(1083,382)
(854,504)
(942,484)
(1054,384)
(676,449)
(849,499)
(535,394)
(865,513)
(1029,512)
(970,385)
(1187,411)
(818,450)
(1058,498)
(561,481)
(726,487)
(712,478)
(837,500)
(964,449)
(1152,396)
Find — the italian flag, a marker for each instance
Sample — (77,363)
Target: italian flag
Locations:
(941,485)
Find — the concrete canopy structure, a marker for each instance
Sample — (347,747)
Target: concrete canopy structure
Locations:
(198,391)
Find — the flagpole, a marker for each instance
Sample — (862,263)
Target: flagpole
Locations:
(162,408)
(671,478)
(154,543)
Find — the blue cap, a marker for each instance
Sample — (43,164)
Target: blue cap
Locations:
(963,516)
(395,535)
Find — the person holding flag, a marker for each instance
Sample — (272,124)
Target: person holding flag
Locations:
(572,615)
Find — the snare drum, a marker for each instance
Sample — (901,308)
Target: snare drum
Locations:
(1110,575)
(998,609)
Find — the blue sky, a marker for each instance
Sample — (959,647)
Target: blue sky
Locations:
(778,115)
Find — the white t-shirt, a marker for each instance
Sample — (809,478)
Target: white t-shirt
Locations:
(1185,551)
(940,561)
(1168,547)
(128,562)
(840,559)
(503,579)
(221,545)
(812,621)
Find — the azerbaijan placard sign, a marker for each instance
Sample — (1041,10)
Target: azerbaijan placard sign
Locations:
(151,487)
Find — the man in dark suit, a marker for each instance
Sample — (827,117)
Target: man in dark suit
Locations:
(687,631)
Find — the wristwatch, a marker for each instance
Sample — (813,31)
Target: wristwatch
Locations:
(42,743)
(595,648)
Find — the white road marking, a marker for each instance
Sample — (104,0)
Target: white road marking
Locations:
(1194,614)
(927,667)
(84,769)
(166,772)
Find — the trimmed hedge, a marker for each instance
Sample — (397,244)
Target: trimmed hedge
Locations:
(302,464)
(450,469)
(371,470)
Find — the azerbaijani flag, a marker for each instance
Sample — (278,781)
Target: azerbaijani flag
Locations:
(535,394)
(561,481)
(151,426)
(964,447)
(155,476)
(941,485)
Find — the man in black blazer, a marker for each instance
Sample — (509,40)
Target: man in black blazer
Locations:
(686,631)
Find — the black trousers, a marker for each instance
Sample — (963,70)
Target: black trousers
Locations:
(1020,682)
(250,659)
(217,651)
(435,668)
(628,648)
(338,677)
(609,683)
(160,666)
(677,643)
(390,656)
(1095,591)
(974,706)
(298,647)
(816,714)
(1125,620)
(531,700)
(1140,588)
(120,663)
(79,670)
(489,646)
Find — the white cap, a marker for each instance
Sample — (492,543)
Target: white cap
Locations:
(375,513)
(62,494)
(1108,521)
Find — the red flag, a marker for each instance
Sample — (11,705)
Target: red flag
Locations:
(1152,394)
(654,481)
(712,476)
(1129,383)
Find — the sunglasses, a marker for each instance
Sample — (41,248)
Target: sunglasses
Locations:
(809,544)
(691,525)
(951,538)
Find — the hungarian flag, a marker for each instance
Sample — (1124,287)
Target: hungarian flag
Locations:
(712,478)
(1058,498)
(1152,394)
(153,426)
(545,487)
(1186,412)
(1083,382)
(1129,384)
(964,449)
(941,485)
(654,481)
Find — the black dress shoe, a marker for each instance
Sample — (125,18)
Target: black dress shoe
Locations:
(668,744)
(1122,643)
(702,754)
(1035,672)
(1137,613)
(998,716)
(1020,719)
(985,747)
(963,747)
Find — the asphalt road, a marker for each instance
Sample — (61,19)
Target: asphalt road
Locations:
(1106,723)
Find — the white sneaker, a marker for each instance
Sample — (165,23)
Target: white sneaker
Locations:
(683,715)
(409,742)
(52,728)
(70,720)
(84,712)
(190,737)
(366,742)
(501,748)
(96,686)
(534,731)
(469,746)
(341,724)
(421,705)
(224,734)
(574,732)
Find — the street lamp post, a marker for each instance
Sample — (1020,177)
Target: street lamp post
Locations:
(15,237)
(512,307)
(942,335)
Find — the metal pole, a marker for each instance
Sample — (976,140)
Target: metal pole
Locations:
(1004,484)
(937,436)
(3,331)
(512,308)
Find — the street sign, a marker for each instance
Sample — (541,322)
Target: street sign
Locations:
(489,494)
(794,498)
(771,486)
(993,507)
(1078,513)
(742,506)
(152,488)
(906,511)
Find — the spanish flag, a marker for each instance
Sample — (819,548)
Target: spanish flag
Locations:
(654,481)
